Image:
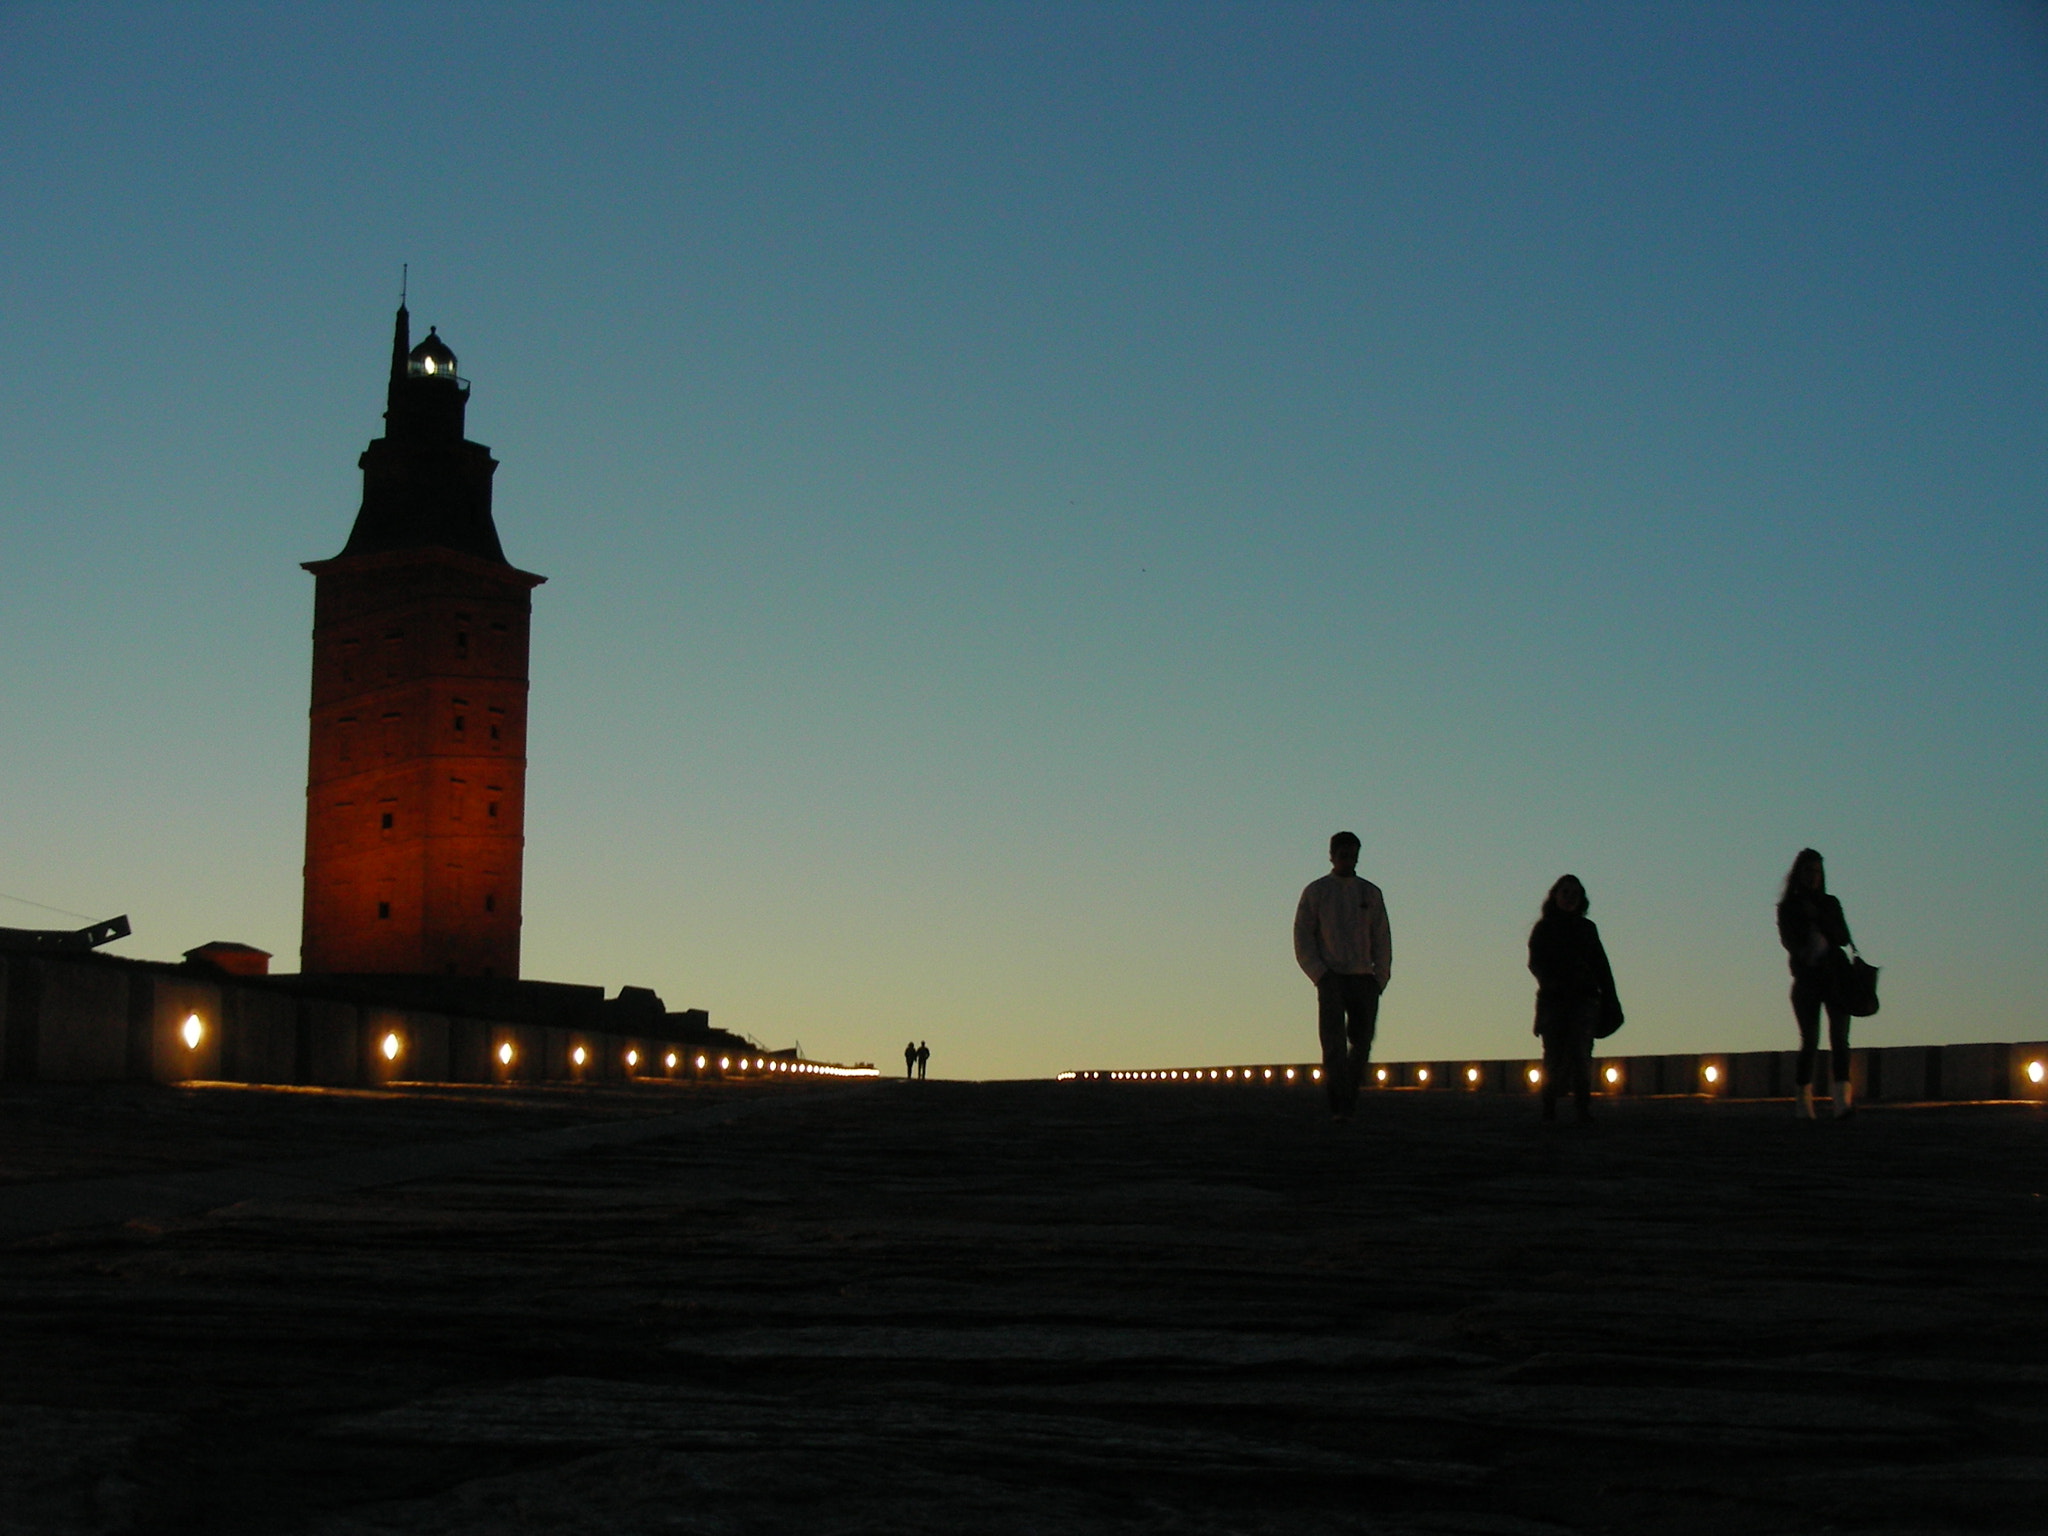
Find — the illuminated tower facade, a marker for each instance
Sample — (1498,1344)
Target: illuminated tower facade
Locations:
(416,784)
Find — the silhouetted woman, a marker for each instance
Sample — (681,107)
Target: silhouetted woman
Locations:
(1575,1000)
(1814,933)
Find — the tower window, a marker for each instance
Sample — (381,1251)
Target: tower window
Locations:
(462,643)
(491,902)
(493,812)
(458,722)
(383,909)
(387,821)
(494,733)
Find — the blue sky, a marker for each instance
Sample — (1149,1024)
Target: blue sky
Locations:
(1013,479)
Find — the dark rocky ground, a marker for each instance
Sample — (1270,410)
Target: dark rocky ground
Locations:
(1015,1307)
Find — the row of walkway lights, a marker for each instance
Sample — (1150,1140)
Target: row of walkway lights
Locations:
(1712,1075)
(391,1046)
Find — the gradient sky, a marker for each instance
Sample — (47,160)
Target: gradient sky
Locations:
(1013,479)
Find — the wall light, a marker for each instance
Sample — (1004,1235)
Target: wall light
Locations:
(390,1047)
(2036,1071)
(1711,1073)
(1290,1074)
(1471,1074)
(505,1053)
(1535,1076)
(193,1032)
(1422,1074)
(632,1058)
(669,1061)
(1315,1074)
(1613,1075)
(724,1063)
(1379,1074)
(578,1056)
(700,1062)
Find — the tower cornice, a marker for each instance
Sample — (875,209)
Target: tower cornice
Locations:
(423,554)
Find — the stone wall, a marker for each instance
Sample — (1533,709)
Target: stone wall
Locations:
(1899,1074)
(87,1018)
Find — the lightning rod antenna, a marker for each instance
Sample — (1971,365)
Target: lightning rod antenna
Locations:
(404,281)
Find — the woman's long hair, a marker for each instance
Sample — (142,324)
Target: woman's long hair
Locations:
(1795,877)
(1550,906)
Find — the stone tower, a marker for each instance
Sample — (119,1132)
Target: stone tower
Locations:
(416,784)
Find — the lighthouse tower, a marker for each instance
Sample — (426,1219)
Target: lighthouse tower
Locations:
(416,784)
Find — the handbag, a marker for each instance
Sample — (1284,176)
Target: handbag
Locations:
(1610,1016)
(1859,987)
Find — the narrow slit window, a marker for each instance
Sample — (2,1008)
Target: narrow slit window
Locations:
(493,812)
(491,902)
(387,821)
(383,909)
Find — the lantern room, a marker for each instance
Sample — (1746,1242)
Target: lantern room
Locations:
(431,359)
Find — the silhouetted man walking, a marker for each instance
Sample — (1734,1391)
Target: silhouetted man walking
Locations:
(924,1054)
(909,1060)
(1342,942)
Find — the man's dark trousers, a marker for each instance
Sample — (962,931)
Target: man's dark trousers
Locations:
(1347,1008)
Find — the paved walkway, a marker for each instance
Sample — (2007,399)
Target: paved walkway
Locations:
(28,1210)
(1019,1308)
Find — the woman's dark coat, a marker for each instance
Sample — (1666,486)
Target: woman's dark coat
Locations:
(1803,916)
(1570,966)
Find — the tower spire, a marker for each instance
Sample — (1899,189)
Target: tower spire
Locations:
(401,340)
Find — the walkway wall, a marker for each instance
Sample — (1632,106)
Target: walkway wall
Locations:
(1903,1073)
(98,1019)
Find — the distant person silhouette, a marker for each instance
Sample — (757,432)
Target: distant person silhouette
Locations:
(924,1054)
(1575,997)
(1342,943)
(909,1060)
(1816,936)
